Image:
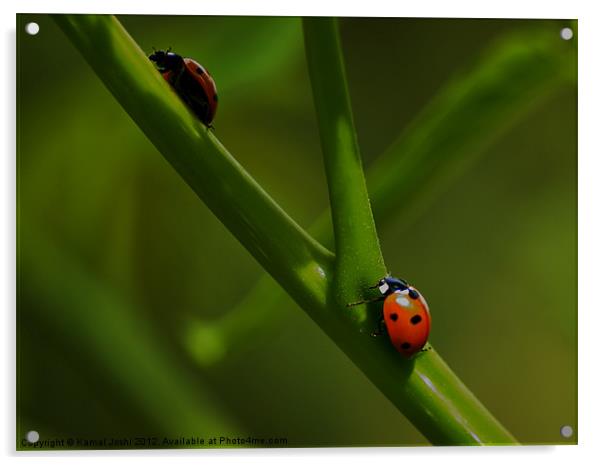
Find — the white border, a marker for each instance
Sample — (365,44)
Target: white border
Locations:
(590,230)
(425,8)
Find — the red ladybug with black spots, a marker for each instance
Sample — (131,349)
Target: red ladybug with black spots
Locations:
(191,81)
(405,315)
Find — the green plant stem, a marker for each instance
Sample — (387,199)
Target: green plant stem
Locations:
(285,250)
(424,389)
(359,262)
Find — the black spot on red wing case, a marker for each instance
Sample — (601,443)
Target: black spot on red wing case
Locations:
(406,345)
(393,316)
(415,319)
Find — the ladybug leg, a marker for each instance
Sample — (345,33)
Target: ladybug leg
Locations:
(380,330)
(376,299)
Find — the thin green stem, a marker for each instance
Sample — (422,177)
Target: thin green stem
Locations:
(359,261)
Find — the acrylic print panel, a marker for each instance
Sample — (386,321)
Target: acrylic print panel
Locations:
(178,285)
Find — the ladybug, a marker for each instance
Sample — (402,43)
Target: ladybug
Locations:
(405,315)
(191,81)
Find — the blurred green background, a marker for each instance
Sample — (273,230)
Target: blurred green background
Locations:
(117,258)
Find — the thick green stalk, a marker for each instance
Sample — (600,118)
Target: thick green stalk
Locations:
(359,262)
(285,250)
(424,389)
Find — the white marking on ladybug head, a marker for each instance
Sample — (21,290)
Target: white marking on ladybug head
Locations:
(383,288)
(402,300)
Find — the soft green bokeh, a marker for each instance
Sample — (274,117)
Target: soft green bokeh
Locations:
(498,248)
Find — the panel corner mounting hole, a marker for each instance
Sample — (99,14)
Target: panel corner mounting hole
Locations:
(32,437)
(32,28)
(566,33)
(566,431)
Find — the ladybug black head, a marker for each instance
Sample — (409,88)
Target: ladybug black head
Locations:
(389,284)
(166,60)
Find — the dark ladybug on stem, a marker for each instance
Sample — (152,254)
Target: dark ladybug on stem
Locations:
(191,81)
